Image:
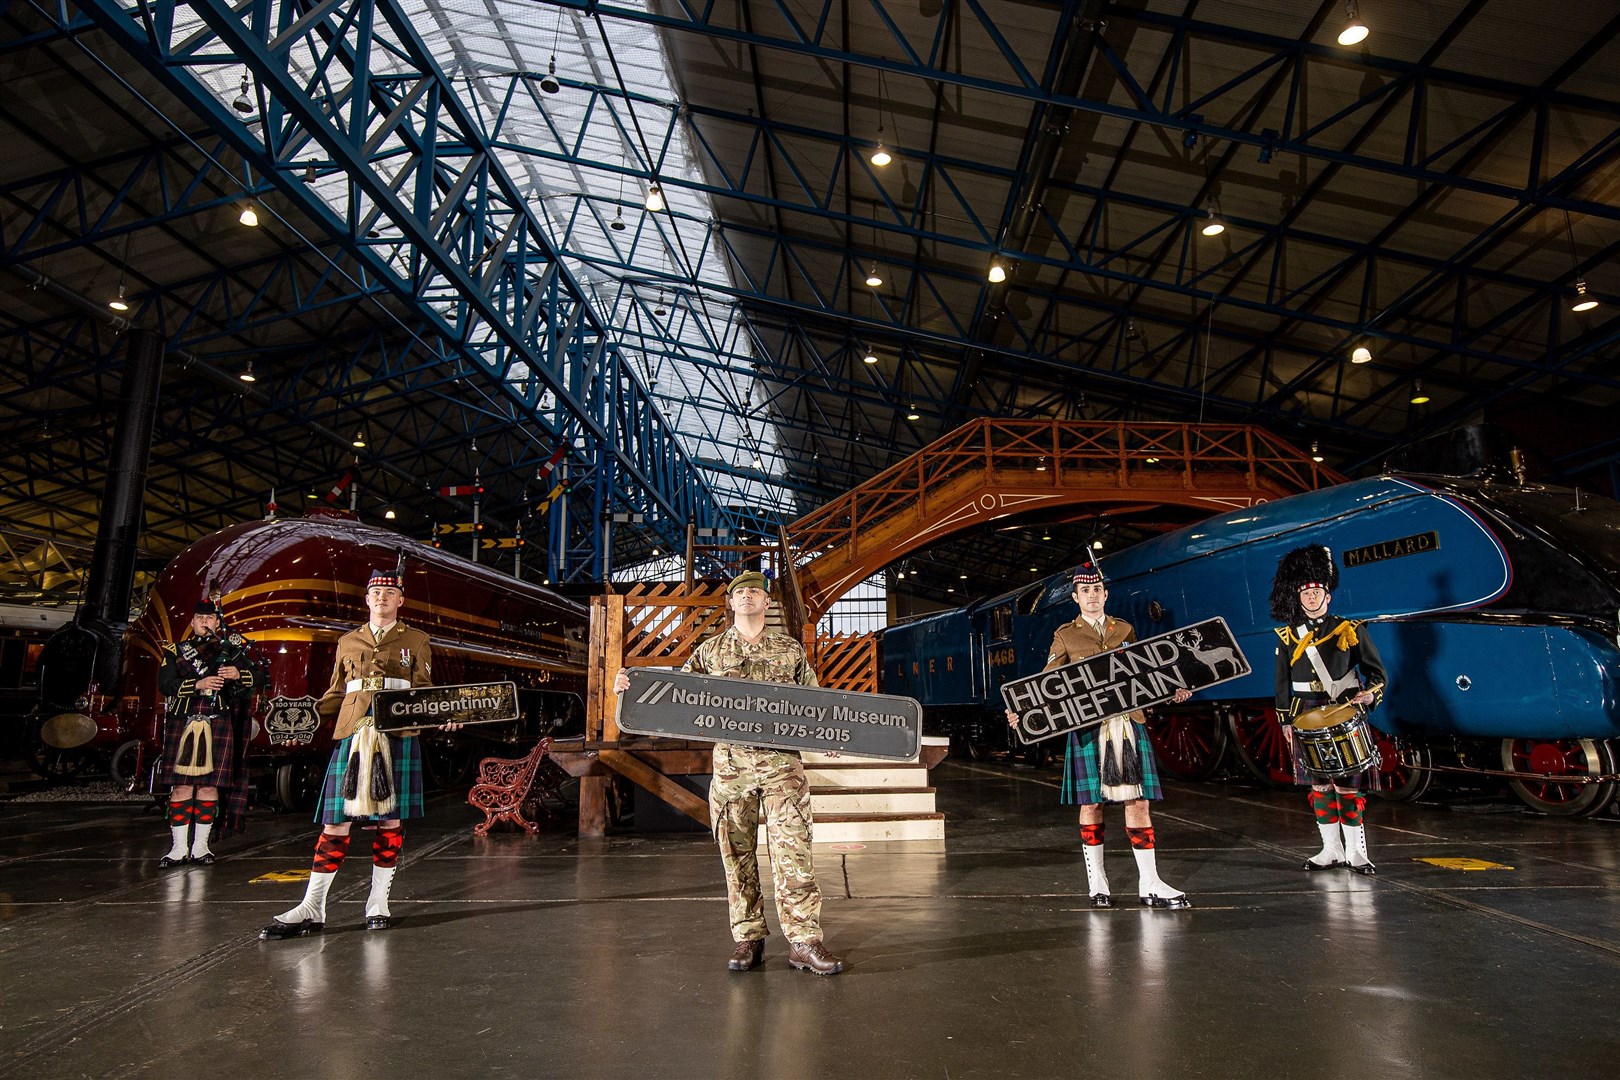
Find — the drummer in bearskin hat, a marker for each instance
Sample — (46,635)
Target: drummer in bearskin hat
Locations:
(208,680)
(1112,762)
(372,776)
(1323,659)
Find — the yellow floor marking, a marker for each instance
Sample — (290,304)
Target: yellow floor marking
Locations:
(1464,864)
(280,877)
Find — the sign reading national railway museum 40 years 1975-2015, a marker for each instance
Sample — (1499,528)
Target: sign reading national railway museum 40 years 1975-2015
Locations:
(780,716)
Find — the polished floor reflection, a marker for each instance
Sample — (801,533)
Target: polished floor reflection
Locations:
(553,957)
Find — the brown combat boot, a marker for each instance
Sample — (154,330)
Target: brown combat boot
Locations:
(749,955)
(812,956)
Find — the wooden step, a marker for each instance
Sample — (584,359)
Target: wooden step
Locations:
(832,802)
(902,776)
(873,828)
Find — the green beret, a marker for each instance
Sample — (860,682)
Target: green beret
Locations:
(749,579)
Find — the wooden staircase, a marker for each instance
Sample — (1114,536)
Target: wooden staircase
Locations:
(861,801)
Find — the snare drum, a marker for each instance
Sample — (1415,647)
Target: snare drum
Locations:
(1335,740)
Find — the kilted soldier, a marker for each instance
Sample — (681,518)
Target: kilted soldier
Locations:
(372,776)
(208,680)
(1112,762)
(748,780)
(1324,660)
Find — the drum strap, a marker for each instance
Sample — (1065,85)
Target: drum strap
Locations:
(1333,688)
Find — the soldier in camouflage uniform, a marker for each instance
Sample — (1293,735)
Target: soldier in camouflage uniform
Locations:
(747,779)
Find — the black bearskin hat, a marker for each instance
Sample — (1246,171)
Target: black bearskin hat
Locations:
(1308,565)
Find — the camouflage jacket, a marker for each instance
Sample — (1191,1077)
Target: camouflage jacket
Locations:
(774,658)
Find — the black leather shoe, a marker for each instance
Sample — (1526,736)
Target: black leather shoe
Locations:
(379,922)
(168,862)
(205,859)
(1313,867)
(1365,869)
(1167,903)
(277,930)
(812,956)
(1101,900)
(749,955)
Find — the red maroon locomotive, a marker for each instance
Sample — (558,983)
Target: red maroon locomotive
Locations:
(294,586)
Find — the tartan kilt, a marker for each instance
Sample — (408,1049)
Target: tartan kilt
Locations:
(222,728)
(407,757)
(1082,772)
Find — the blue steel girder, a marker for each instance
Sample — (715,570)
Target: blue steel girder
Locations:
(816,34)
(454,234)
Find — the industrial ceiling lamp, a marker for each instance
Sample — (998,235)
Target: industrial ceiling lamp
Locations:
(869,358)
(880,157)
(118,303)
(249,215)
(1418,396)
(1361,355)
(390,515)
(660,310)
(1214,226)
(1583,302)
(247,375)
(617,224)
(1316,452)
(912,413)
(359,439)
(873,278)
(1355,31)
(548,82)
(655,198)
(244,104)
(997,272)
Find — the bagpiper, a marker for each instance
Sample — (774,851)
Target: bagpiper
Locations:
(208,681)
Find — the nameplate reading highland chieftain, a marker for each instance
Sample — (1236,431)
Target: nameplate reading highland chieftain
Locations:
(777,716)
(430,706)
(1123,680)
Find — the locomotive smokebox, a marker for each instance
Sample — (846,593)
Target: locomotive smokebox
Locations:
(87,650)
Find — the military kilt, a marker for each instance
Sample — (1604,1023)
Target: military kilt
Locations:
(222,732)
(407,759)
(1082,767)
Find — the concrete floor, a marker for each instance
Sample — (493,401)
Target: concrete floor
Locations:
(552,957)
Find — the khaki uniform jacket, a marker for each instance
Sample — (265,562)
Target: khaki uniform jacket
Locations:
(403,653)
(1077,640)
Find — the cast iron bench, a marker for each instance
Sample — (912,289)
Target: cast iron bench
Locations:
(506,786)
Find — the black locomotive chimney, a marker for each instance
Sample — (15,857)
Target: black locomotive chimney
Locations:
(88,649)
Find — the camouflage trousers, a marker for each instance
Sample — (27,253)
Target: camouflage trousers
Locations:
(747,780)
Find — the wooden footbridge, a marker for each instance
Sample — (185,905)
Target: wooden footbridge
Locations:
(985,471)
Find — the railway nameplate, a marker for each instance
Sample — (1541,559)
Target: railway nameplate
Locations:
(1122,680)
(777,716)
(430,706)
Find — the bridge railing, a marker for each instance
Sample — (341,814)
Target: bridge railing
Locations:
(1064,453)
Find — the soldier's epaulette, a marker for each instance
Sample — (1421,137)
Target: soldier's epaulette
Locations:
(168,647)
(1286,634)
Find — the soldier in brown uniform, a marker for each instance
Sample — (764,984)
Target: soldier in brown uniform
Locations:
(1112,762)
(750,779)
(372,776)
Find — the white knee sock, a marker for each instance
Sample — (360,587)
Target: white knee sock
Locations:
(313,905)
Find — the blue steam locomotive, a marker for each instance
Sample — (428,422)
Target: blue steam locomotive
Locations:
(1496,607)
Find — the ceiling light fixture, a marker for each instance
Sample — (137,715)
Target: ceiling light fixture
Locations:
(1355,31)
(617,224)
(1361,355)
(359,439)
(390,515)
(1214,226)
(249,215)
(997,272)
(869,358)
(1096,545)
(548,82)
(1316,451)
(309,172)
(873,278)
(655,198)
(913,414)
(880,157)
(244,104)
(1583,302)
(1418,396)
(247,373)
(118,303)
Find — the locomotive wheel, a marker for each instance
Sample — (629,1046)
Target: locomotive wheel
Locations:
(125,760)
(1261,746)
(1568,757)
(1398,781)
(298,784)
(1188,745)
